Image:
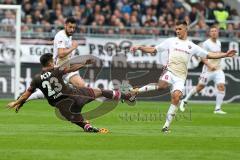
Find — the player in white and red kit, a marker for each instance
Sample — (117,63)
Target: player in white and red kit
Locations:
(63,50)
(180,50)
(211,71)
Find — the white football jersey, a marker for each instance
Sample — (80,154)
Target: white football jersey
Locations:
(211,46)
(179,54)
(61,40)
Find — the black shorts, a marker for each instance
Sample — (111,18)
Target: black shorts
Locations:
(85,94)
(71,106)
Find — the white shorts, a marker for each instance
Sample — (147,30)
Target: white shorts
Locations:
(67,76)
(175,82)
(216,76)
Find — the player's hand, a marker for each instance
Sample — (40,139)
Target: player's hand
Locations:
(231,53)
(74,44)
(133,49)
(14,105)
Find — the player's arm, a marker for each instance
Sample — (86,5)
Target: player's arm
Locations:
(153,50)
(217,55)
(63,52)
(144,49)
(212,55)
(20,101)
(75,67)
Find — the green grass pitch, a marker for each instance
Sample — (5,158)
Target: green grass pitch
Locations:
(36,133)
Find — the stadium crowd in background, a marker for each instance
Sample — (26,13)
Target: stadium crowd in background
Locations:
(124,13)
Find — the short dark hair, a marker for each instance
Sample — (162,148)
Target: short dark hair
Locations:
(70,20)
(181,22)
(45,58)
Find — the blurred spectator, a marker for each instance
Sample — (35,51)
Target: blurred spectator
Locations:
(8,2)
(28,24)
(126,8)
(148,16)
(98,21)
(107,12)
(79,3)
(221,15)
(88,11)
(179,13)
(27,29)
(230,30)
(28,20)
(78,16)
(110,31)
(169,6)
(27,9)
(201,27)
(37,17)
(234,17)
(126,19)
(46,26)
(209,12)
(193,14)
(95,13)
(67,8)
(9,21)
(39,32)
(9,17)
(134,22)
(41,6)
(53,15)
(117,13)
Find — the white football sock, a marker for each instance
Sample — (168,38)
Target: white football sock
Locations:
(219,99)
(190,94)
(148,87)
(36,95)
(170,115)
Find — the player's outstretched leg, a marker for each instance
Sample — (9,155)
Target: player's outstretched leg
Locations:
(149,87)
(146,88)
(113,94)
